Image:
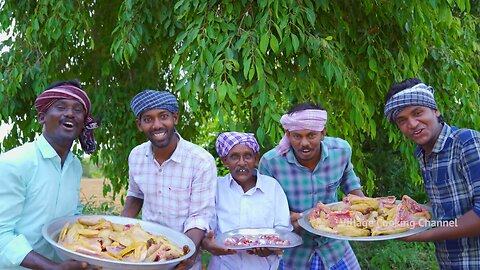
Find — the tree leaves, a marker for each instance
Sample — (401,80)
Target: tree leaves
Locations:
(264,41)
(274,44)
(240,64)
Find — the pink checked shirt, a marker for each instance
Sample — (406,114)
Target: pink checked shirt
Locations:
(180,194)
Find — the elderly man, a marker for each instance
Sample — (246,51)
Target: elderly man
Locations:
(172,180)
(41,179)
(310,167)
(245,199)
(450,164)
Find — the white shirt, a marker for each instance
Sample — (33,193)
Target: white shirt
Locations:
(263,206)
(179,194)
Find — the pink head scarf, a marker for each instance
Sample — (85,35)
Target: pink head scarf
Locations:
(305,119)
(45,100)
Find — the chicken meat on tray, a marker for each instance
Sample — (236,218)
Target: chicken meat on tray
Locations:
(363,216)
(101,238)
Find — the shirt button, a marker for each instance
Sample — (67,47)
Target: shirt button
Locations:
(159,170)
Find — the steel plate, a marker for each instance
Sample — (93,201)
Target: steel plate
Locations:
(284,234)
(51,230)
(304,223)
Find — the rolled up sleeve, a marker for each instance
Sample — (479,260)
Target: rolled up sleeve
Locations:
(13,247)
(202,199)
(15,251)
(349,181)
(133,188)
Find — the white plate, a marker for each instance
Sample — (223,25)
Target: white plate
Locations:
(51,230)
(304,223)
(284,234)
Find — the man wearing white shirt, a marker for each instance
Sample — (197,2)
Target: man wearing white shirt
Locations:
(245,199)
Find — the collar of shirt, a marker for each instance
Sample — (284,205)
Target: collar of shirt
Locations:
(439,144)
(259,185)
(176,155)
(49,152)
(290,156)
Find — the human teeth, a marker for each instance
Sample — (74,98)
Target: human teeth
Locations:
(68,124)
(159,134)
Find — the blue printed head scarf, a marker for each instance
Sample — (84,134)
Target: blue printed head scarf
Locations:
(153,99)
(418,95)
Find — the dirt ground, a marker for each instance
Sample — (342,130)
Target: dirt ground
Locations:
(91,189)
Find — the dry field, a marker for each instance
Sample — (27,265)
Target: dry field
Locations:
(91,190)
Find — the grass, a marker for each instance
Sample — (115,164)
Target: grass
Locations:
(392,254)
(93,206)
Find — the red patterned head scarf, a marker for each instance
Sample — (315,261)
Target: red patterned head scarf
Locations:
(45,100)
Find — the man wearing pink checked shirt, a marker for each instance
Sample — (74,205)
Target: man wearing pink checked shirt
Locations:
(171,180)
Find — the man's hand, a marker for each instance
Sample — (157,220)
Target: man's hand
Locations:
(34,260)
(294,217)
(75,265)
(186,264)
(208,243)
(264,252)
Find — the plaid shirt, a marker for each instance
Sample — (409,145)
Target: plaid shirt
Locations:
(451,177)
(304,189)
(180,193)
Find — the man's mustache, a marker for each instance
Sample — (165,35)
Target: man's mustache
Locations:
(242,168)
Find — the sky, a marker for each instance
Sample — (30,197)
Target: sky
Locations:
(4,127)
(4,130)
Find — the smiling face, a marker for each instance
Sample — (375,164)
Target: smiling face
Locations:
(306,145)
(159,126)
(421,125)
(242,161)
(63,122)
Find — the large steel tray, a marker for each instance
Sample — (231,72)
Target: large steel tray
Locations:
(51,230)
(304,223)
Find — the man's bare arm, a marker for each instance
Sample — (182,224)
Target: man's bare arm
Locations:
(132,207)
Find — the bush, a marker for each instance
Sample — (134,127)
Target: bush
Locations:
(91,170)
(92,206)
(395,255)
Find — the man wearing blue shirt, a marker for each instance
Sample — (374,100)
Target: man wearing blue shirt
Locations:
(41,179)
(310,167)
(450,164)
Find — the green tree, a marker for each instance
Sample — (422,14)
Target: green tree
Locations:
(239,65)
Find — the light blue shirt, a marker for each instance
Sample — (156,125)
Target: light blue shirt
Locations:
(34,189)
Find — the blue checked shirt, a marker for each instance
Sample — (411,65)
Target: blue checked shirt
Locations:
(451,177)
(304,189)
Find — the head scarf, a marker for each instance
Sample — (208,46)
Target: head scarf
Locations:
(306,119)
(418,95)
(227,140)
(153,99)
(45,100)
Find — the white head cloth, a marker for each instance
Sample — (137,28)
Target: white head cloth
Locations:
(306,119)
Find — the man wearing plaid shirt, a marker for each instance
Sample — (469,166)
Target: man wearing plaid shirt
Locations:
(172,180)
(450,163)
(310,167)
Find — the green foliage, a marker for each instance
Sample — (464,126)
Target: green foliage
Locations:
(93,206)
(238,65)
(91,170)
(395,255)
